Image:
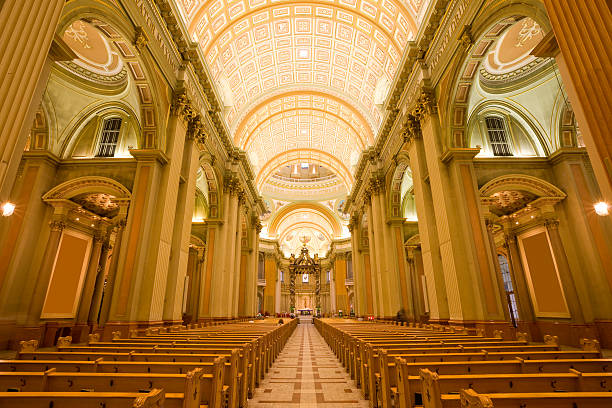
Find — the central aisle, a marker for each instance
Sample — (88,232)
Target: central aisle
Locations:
(307,374)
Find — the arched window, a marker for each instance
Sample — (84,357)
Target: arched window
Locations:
(349,266)
(109,137)
(261,271)
(498,136)
(509,288)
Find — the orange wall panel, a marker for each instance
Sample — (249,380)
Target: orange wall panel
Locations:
(68,274)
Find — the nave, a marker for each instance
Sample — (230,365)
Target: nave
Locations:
(307,374)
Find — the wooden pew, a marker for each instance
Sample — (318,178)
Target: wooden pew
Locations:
(182,386)
(471,399)
(211,379)
(231,371)
(429,387)
(154,399)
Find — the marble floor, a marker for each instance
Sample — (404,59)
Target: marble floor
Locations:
(307,374)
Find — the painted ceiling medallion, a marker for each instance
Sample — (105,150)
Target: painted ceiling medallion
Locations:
(510,57)
(98,60)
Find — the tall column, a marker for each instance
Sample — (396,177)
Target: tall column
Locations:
(237,270)
(428,233)
(523,299)
(81,328)
(37,301)
(392,266)
(22,240)
(250,299)
(416,294)
(573,302)
(200,265)
(218,293)
(401,270)
(229,250)
(498,275)
(137,277)
(360,283)
(96,298)
(177,268)
(28,27)
(472,296)
(112,272)
(208,272)
(582,30)
(375,254)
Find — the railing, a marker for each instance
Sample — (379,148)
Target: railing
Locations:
(305,180)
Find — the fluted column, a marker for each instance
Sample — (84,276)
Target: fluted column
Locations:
(391,278)
(218,295)
(375,265)
(230,250)
(360,283)
(207,295)
(498,275)
(28,27)
(428,233)
(37,301)
(99,284)
(237,274)
(569,287)
(90,277)
(582,30)
(185,201)
(523,299)
(470,288)
(400,271)
(250,298)
(112,272)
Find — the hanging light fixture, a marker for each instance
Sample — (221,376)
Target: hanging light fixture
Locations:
(8,209)
(602,208)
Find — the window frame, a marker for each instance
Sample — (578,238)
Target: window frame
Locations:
(100,136)
(509,142)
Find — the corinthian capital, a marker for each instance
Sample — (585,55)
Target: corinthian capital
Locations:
(181,106)
(57,225)
(377,183)
(196,129)
(426,104)
(411,129)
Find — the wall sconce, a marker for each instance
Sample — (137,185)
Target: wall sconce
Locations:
(8,209)
(602,208)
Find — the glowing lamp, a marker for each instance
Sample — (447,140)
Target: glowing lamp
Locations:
(602,208)
(8,209)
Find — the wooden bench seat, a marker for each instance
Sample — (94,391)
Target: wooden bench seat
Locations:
(428,387)
(186,385)
(471,399)
(211,379)
(153,399)
(237,389)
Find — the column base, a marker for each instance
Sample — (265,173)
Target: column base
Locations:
(80,333)
(125,327)
(7,333)
(604,327)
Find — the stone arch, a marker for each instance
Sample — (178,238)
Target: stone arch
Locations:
(325,212)
(524,182)
(131,42)
(101,195)
(104,108)
(534,132)
(395,188)
(213,188)
(38,139)
(480,36)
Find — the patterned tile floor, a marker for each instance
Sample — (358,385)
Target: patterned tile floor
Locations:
(307,374)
